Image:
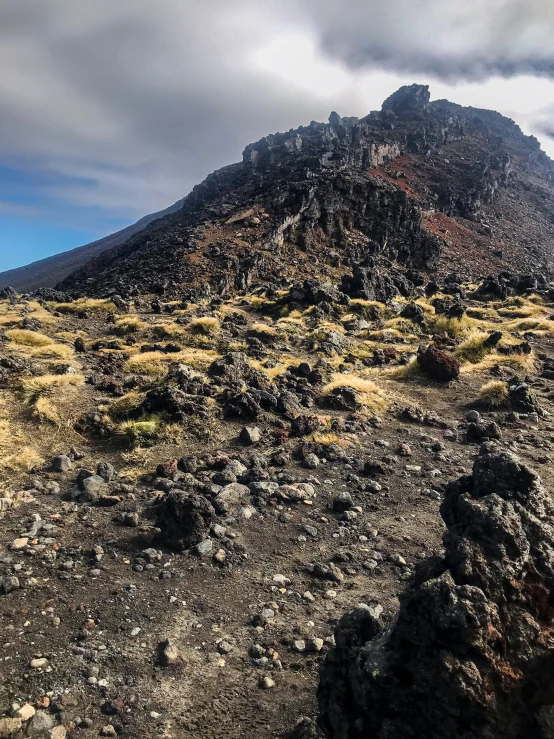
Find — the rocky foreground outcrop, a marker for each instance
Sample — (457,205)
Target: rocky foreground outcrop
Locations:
(471,652)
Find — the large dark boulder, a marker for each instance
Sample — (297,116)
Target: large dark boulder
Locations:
(470,654)
(184,519)
(437,364)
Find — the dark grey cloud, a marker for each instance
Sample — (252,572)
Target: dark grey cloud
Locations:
(467,40)
(131,102)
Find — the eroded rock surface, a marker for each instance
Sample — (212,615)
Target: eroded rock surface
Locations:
(471,648)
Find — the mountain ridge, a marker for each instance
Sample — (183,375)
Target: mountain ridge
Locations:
(420,185)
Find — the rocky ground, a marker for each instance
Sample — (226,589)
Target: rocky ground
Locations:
(193,494)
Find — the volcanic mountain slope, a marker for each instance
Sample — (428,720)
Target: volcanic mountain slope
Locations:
(47,272)
(417,186)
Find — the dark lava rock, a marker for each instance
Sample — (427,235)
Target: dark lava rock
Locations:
(414,312)
(471,648)
(177,404)
(449,308)
(341,399)
(481,430)
(184,519)
(438,365)
(522,398)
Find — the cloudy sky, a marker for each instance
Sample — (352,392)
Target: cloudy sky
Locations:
(111,109)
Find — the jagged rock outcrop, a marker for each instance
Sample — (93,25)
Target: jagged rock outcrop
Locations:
(471,652)
(414,186)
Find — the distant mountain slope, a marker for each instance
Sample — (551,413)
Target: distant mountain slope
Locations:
(48,272)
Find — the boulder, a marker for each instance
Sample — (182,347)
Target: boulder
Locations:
(466,655)
(184,519)
(437,364)
(231,498)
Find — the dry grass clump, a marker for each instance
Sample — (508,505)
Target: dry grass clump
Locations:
(368,394)
(388,335)
(35,386)
(206,326)
(140,432)
(538,325)
(494,393)
(129,324)
(482,314)
(367,308)
(157,363)
(409,371)
(28,338)
(126,405)
(167,330)
(456,327)
(273,372)
(263,332)
(16,451)
(326,438)
(92,305)
(519,362)
(35,344)
(473,349)
(46,412)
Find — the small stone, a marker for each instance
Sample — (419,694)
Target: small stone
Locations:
(397,559)
(374,487)
(473,416)
(299,645)
(41,721)
(203,548)
(9,584)
(308,596)
(266,683)
(281,580)
(314,645)
(311,461)
(106,471)
(20,543)
(250,435)
(61,463)
(38,663)
(376,610)
(58,732)
(224,647)
(220,556)
(168,654)
(108,730)
(9,726)
(26,712)
(342,502)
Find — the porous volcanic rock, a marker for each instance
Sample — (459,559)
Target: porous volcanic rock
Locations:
(438,365)
(184,519)
(471,652)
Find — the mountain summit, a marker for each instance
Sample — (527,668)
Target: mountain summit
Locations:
(418,185)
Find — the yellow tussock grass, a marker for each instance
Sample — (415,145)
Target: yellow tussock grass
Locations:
(368,393)
(493,393)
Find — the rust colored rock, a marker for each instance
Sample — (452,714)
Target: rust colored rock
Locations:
(167,468)
(437,364)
